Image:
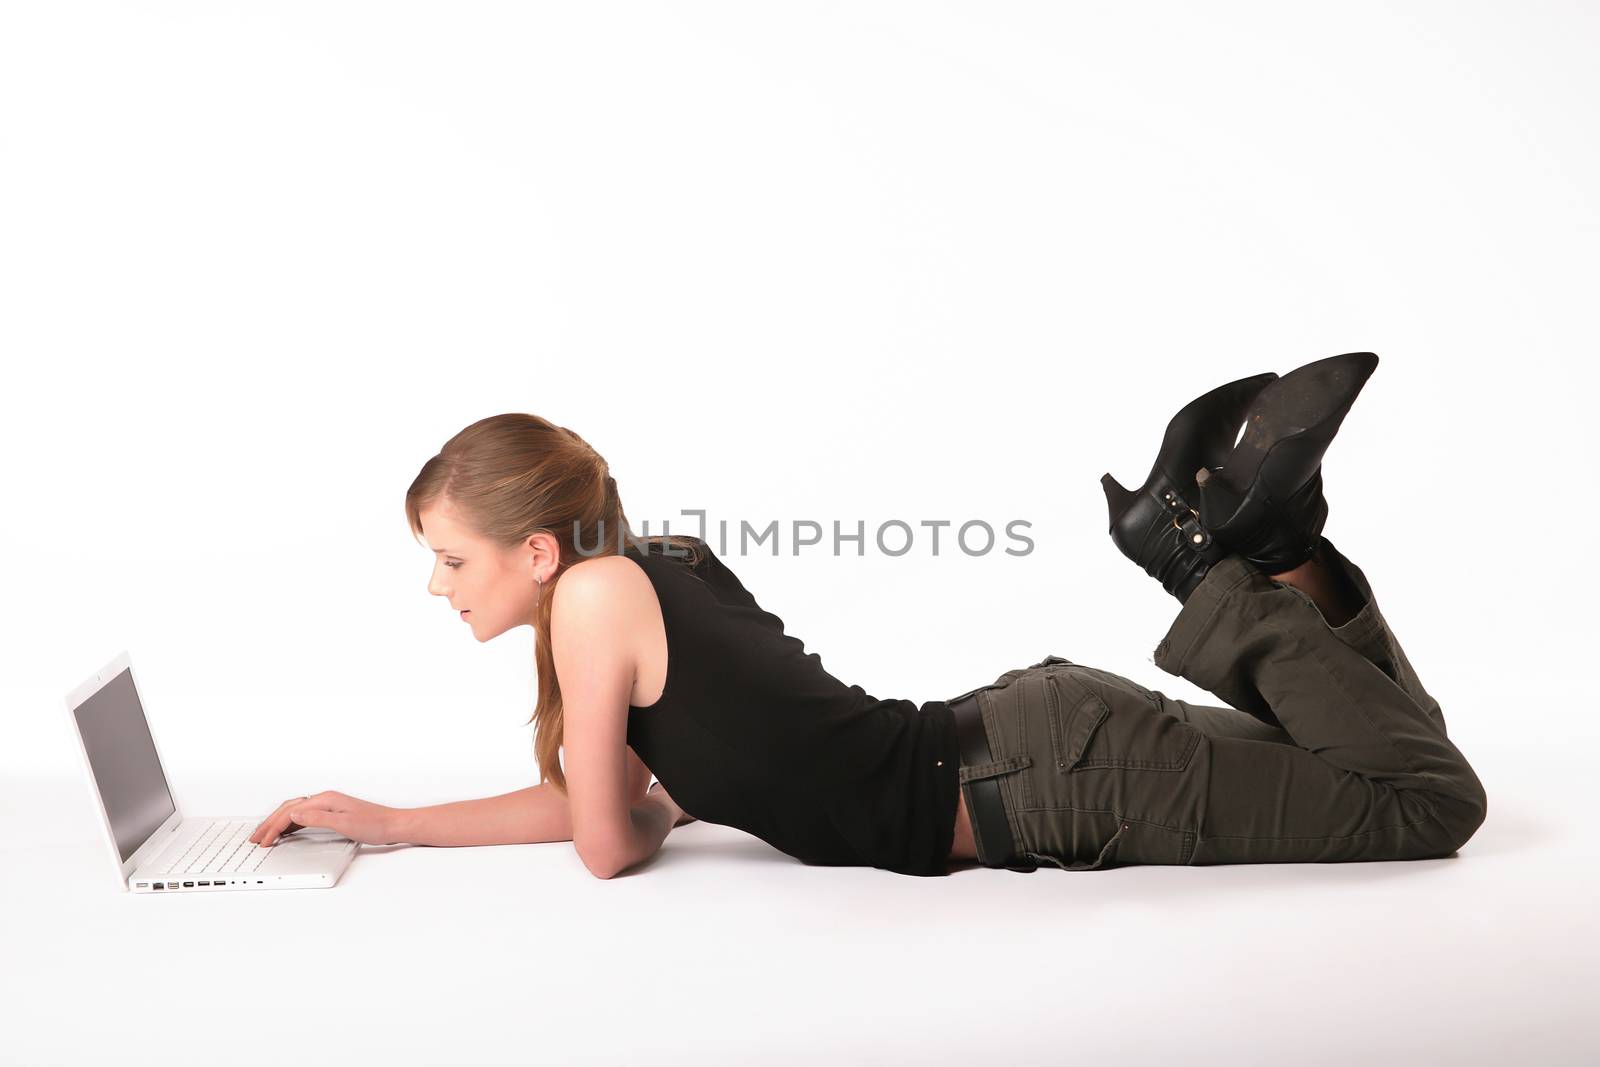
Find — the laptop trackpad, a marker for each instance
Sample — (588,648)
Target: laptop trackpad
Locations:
(306,850)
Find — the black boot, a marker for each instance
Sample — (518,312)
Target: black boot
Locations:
(1265,500)
(1157,527)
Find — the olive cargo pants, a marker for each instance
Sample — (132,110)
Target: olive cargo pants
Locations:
(1331,750)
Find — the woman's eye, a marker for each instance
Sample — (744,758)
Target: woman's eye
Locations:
(447,563)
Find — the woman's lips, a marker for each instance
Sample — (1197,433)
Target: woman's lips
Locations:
(464,614)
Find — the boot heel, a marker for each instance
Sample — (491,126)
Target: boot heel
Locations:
(1156,525)
(1216,496)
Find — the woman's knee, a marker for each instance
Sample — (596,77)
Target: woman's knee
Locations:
(1457,817)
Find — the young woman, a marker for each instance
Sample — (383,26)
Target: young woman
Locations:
(652,658)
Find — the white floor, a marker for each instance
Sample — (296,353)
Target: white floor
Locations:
(721,950)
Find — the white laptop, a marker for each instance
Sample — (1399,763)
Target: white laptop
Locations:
(155,847)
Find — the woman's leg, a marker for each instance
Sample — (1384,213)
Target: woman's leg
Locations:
(1370,773)
(1332,749)
(1329,586)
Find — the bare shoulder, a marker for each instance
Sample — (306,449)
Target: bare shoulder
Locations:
(605,592)
(603,577)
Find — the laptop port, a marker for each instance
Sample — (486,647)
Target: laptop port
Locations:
(188,885)
(158,885)
(142,885)
(206,883)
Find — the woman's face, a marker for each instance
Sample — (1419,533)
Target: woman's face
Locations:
(495,587)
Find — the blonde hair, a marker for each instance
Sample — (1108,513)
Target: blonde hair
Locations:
(511,476)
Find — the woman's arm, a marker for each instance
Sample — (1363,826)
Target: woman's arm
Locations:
(527,816)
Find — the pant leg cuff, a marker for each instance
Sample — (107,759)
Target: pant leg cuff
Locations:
(1199,612)
(1365,630)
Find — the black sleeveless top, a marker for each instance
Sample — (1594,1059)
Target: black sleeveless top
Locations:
(751,732)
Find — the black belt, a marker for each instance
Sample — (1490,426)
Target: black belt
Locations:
(984,806)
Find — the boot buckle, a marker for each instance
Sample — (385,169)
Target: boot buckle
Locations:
(1195,534)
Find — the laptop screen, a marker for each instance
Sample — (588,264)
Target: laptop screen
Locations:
(126,768)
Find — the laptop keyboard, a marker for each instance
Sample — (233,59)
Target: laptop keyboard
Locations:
(222,847)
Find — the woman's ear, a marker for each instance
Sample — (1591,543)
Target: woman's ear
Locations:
(543,556)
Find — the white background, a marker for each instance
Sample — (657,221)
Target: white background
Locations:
(853,262)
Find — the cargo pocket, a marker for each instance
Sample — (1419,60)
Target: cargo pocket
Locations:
(1094,725)
(1117,681)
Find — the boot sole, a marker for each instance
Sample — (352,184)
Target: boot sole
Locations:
(1297,402)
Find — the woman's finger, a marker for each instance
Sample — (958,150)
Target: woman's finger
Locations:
(281,813)
(258,835)
(318,818)
(278,814)
(279,822)
(279,826)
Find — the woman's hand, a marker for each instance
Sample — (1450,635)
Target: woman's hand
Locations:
(679,815)
(359,820)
